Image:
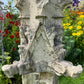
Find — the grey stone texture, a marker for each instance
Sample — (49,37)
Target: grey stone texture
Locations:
(42,78)
(41,49)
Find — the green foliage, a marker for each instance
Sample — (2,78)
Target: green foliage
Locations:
(11,38)
(11,41)
(71,49)
(65,80)
(4,60)
(73,39)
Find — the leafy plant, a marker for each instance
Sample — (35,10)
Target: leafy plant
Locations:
(11,41)
(4,60)
(68,80)
(73,23)
(11,38)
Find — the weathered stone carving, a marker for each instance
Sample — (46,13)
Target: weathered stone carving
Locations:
(41,49)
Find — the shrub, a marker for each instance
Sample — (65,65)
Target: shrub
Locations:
(11,41)
(74,34)
(11,38)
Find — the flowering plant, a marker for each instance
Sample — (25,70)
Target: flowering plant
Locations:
(73,24)
(1,17)
(11,41)
(11,38)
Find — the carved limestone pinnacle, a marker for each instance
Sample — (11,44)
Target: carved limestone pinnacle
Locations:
(41,49)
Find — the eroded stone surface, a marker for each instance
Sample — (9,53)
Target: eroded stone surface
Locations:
(41,49)
(66,68)
(42,78)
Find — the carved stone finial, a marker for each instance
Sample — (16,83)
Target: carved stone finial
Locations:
(19,3)
(41,49)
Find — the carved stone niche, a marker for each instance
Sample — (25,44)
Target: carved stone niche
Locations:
(41,49)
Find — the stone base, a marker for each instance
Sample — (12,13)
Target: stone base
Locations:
(39,78)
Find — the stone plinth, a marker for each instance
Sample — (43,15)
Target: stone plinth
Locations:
(40,78)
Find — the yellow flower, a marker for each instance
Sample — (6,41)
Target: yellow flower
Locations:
(64,24)
(74,34)
(79,33)
(81,16)
(65,27)
(67,24)
(80,22)
(68,17)
(70,27)
(79,27)
(81,13)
